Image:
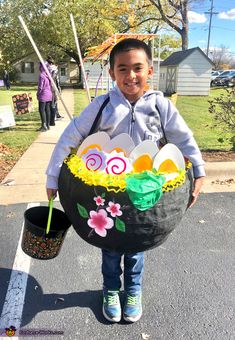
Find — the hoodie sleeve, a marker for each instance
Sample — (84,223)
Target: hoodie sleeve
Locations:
(178,133)
(40,87)
(73,135)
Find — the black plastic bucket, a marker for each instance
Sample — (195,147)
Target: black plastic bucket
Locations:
(35,242)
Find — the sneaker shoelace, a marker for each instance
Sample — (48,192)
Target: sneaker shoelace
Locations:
(113,299)
(132,300)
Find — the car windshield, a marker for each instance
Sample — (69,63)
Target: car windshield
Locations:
(225,73)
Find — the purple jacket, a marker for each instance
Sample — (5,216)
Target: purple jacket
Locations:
(44,93)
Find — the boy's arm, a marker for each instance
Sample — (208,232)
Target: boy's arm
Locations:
(178,133)
(198,183)
(76,131)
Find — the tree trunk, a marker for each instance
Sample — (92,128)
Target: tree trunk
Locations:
(184,39)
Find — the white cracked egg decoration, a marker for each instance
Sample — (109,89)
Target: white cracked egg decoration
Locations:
(169,161)
(95,141)
(142,156)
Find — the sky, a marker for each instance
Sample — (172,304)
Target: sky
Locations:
(222,25)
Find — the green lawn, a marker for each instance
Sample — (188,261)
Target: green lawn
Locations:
(19,137)
(193,109)
(195,112)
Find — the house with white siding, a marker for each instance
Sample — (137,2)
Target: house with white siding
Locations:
(186,72)
(28,70)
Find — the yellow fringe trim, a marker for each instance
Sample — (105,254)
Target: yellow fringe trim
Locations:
(78,168)
(114,183)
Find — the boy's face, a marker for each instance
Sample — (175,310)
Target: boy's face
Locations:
(131,72)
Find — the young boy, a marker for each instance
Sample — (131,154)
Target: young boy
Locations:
(143,115)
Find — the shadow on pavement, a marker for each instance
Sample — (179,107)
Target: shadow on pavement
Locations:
(36,301)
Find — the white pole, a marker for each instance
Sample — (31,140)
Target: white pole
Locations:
(43,64)
(158,63)
(80,57)
(152,80)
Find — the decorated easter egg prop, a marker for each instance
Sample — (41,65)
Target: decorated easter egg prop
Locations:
(108,211)
(169,159)
(94,159)
(120,143)
(117,163)
(146,147)
(142,156)
(97,140)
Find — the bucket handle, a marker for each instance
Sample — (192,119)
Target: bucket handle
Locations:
(50,204)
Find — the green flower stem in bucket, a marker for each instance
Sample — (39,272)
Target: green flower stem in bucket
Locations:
(49,215)
(44,231)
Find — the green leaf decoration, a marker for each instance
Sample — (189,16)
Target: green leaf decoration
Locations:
(103,195)
(120,225)
(82,211)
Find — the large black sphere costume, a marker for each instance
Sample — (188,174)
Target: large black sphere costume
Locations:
(143,229)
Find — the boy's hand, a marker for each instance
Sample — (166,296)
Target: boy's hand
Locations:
(51,193)
(197,188)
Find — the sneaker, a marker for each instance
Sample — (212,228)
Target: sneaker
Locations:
(111,306)
(132,311)
(59,116)
(42,129)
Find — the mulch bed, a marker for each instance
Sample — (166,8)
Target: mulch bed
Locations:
(218,156)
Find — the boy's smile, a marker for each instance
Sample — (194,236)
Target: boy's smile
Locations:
(131,72)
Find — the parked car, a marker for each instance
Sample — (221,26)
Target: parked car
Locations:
(224,78)
(215,74)
(230,81)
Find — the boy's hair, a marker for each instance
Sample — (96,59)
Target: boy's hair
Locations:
(129,44)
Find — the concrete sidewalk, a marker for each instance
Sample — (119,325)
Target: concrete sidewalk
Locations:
(26,181)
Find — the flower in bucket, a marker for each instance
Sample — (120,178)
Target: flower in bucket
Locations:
(99,221)
(114,209)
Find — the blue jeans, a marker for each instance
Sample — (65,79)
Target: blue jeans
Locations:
(133,271)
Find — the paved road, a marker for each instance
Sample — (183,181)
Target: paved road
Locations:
(189,285)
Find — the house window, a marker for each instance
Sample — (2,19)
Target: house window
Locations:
(27,67)
(63,71)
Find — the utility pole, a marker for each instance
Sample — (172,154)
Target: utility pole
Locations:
(209,33)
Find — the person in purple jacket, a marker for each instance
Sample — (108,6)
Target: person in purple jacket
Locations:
(44,96)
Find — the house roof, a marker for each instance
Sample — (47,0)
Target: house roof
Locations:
(177,57)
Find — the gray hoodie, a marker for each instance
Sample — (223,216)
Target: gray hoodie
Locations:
(145,119)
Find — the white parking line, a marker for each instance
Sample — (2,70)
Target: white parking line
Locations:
(14,300)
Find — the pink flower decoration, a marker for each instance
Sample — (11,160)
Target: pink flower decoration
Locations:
(114,209)
(100,222)
(99,200)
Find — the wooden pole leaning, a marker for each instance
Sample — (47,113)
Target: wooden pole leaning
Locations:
(44,65)
(80,57)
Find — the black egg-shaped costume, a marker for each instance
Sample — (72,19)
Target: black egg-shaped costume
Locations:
(143,229)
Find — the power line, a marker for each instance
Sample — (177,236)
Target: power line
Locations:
(209,33)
